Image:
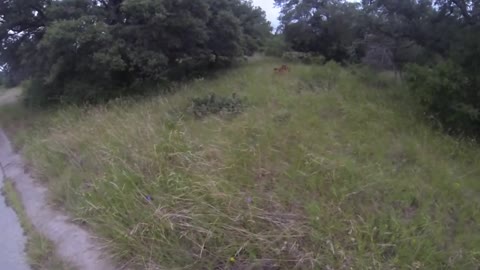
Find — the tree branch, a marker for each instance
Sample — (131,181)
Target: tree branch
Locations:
(463,10)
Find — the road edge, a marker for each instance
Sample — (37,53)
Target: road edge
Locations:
(74,245)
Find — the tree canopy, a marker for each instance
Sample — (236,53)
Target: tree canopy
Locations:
(90,49)
(443,36)
(342,30)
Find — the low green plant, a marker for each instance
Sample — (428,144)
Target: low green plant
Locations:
(305,58)
(86,56)
(275,46)
(324,79)
(379,79)
(214,104)
(448,96)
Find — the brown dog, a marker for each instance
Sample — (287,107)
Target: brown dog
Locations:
(281,70)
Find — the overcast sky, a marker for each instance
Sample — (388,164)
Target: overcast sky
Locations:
(272,13)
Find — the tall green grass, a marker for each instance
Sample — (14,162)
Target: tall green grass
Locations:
(326,168)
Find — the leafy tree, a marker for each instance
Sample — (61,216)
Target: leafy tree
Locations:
(275,45)
(468,11)
(441,35)
(323,26)
(86,50)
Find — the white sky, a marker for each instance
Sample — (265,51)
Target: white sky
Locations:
(272,13)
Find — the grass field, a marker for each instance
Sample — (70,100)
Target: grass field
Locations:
(324,168)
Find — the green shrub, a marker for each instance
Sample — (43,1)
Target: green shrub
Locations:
(332,71)
(375,78)
(213,104)
(87,56)
(38,93)
(305,58)
(317,79)
(34,94)
(448,95)
(275,46)
(317,59)
(2,78)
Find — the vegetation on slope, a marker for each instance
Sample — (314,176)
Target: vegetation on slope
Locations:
(441,36)
(323,168)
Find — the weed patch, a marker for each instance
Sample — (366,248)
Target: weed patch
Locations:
(214,104)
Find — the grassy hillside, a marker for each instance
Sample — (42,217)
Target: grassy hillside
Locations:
(322,168)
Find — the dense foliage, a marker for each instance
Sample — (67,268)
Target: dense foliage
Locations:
(384,33)
(442,37)
(449,89)
(85,50)
(2,78)
(448,96)
(91,50)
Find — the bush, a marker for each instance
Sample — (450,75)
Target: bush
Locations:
(275,46)
(375,78)
(2,79)
(323,78)
(448,95)
(317,59)
(305,58)
(332,72)
(80,53)
(38,93)
(213,104)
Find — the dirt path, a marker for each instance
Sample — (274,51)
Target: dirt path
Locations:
(74,244)
(12,238)
(10,95)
